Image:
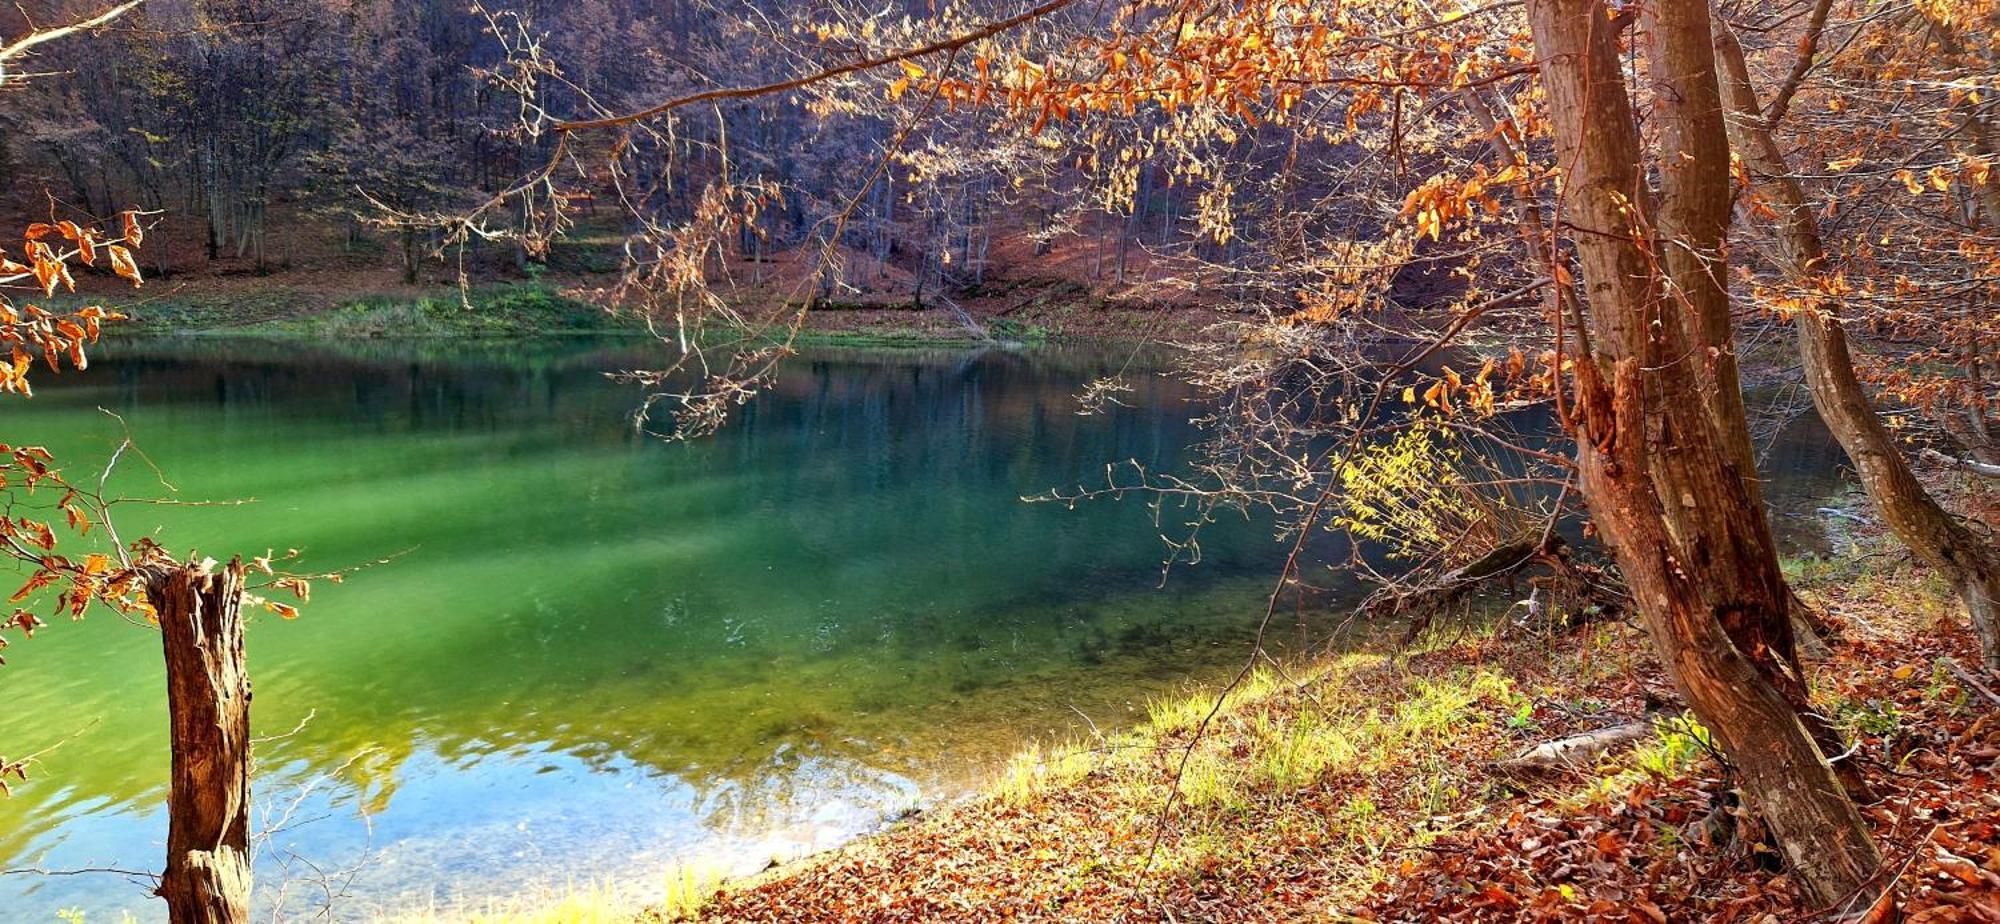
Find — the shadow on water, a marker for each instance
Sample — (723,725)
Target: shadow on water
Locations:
(597,652)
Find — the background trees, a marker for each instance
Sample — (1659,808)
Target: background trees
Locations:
(324,112)
(1624,188)
(1344,175)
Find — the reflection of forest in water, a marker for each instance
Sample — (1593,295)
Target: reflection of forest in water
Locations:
(835,608)
(842,594)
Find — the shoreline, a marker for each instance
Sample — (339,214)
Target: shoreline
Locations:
(1346,787)
(1367,786)
(1302,800)
(303,304)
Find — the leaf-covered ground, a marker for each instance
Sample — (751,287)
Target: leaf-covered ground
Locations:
(1364,788)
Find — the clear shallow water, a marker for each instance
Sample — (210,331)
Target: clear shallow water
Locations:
(598,653)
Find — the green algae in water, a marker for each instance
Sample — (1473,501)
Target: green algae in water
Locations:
(593,653)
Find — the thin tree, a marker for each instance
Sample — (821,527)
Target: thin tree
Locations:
(1965,560)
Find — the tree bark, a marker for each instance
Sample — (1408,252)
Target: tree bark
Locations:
(1692,148)
(207,879)
(1663,485)
(1691,231)
(1965,561)
(409,256)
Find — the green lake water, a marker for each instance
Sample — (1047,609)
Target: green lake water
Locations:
(593,653)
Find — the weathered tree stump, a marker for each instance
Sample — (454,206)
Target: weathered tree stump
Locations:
(207,880)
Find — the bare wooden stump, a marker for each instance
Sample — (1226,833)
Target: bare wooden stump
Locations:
(207,880)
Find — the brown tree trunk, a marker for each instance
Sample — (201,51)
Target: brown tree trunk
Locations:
(409,256)
(1968,563)
(1695,198)
(207,880)
(1663,483)
(1692,149)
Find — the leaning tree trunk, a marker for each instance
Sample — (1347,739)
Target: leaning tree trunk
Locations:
(1696,191)
(1966,561)
(207,880)
(1663,484)
(1695,195)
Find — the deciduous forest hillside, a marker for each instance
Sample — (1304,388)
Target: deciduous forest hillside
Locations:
(1000,460)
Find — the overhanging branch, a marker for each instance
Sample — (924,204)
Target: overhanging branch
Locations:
(951,44)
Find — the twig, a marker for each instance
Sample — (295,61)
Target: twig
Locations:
(21,46)
(951,44)
(1971,682)
(82,871)
(1094,733)
(310,715)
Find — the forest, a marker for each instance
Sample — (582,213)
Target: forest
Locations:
(1000,460)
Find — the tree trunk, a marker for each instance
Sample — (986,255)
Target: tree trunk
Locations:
(410,256)
(1696,193)
(207,880)
(1662,481)
(1918,520)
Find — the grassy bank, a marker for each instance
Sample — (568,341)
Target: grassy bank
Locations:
(492,311)
(499,310)
(343,301)
(1364,786)
(504,310)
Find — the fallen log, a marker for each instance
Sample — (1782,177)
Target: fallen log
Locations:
(1449,586)
(1974,466)
(1577,592)
(1576,752)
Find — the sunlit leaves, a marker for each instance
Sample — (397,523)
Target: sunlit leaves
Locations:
(1424,497)
(1445,199)
(59,339)
(123,263)
(133,231)
(27,330)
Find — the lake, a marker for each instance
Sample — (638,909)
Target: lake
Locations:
(592,653)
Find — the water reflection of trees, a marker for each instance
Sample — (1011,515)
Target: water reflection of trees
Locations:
(899,469)
(584,588)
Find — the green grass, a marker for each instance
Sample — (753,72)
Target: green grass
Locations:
(1034,771)
(1283,733)
(1290,756)
(1279,732)
(491,310)
(486,311)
